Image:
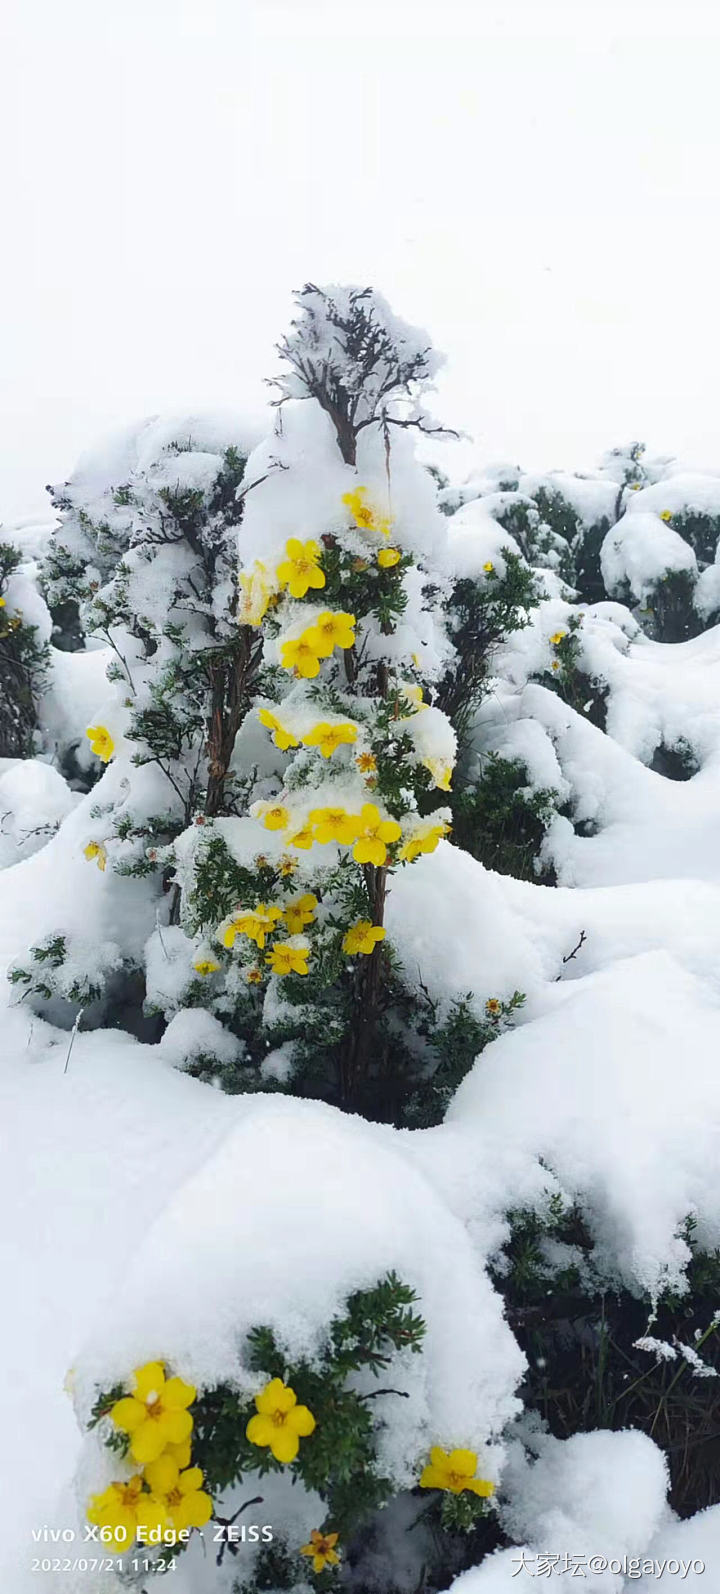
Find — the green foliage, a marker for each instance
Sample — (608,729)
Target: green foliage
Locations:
(586,694)
(670,615)
(502,821)
(479,614)
(58,981)
(338,1461)
(455,1042)
(585,1369)
(700,530)
(587,577)
(23,666)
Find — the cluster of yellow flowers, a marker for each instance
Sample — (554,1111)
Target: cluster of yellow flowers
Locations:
(284,957)
(368,833)
(278,1425)
(103,747)
(555,640)
(166,1496)
(325,736)
(300,572)
(303,654)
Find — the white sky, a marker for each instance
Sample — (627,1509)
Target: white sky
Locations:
(537,183)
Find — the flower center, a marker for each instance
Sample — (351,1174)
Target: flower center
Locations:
(279,1418)
(457,1477)
(174,1498)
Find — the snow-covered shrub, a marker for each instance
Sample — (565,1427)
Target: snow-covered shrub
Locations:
(502,819)
(23,657)
(601,1357)
(370,650)
(316,1419)
(150,555)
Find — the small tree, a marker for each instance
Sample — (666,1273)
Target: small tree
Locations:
(342,613)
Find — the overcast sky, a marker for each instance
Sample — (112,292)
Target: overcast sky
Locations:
(536,183)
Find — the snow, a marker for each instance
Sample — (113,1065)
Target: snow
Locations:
(679,491)
(34,799)
(592,499)
(594,1498)
(639,551)
(475,539)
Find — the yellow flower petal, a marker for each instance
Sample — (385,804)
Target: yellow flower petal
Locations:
(148,1381)
(127,1414)
(284,1444)
(301,1421)
(177,1394)
(260,1430)
(162,1475)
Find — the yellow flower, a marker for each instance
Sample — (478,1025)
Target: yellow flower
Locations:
(362,938)
(331,631)
(555,664)
(123,1508)
(282,738)
(180,1493)
(206,966)
(95,849)
(2,603)
(455,1471)
(557,637)
(256,586)
(413,695)
(303,838)
(280,1423)
(492,1007)
(286,959)
(255,923)
(334,824)
(275,816)
(370,846)
(179,1453)
(440,771)
(388,557)
(101,742)
(329,737)
(489,567)
(287,866)
(300,569)
(299,912)
(423,841)
(366,763)
(365,514)
(666,515)
(322,1549)
(155,1414)
(254,976)
(299,655)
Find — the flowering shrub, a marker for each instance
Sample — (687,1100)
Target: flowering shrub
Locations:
(188,1448)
